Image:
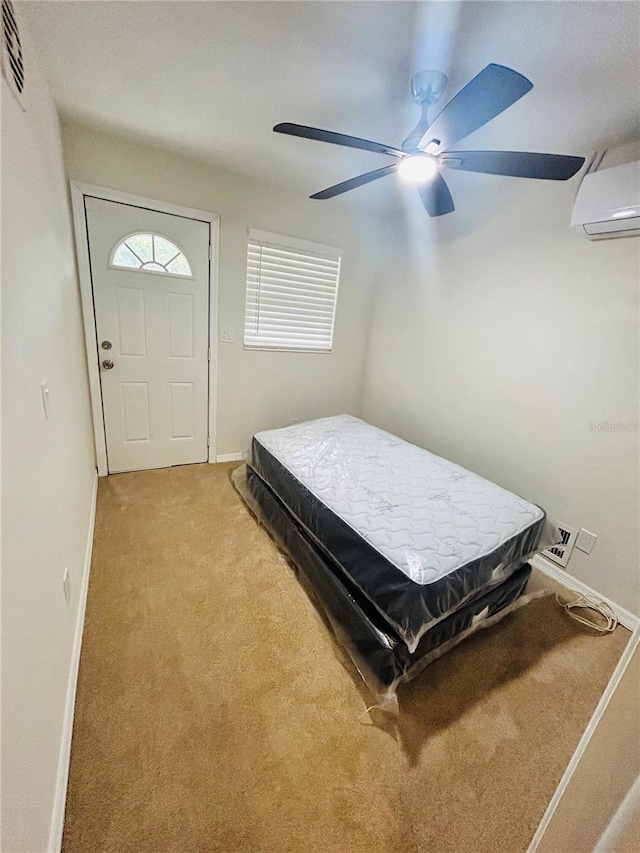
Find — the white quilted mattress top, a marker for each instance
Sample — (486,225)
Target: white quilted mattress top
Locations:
(424,514)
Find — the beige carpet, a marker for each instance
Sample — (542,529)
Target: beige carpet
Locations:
(213,713)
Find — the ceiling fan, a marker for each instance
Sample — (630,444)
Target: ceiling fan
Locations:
(427,149)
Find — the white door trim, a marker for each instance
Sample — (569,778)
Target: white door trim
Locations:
(78,192)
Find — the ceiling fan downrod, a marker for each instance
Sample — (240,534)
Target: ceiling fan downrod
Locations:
(427,88)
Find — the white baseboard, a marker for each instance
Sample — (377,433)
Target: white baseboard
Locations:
(231,457)
(57,816)
(624,617)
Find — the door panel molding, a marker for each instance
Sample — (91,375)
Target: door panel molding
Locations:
(79,191)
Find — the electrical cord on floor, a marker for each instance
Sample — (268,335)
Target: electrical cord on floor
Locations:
(585,603)
(365,712)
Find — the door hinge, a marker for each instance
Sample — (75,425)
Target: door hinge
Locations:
(210,252)
(208,441)
(209,354)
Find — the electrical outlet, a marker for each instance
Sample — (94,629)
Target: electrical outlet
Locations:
(227,336)
(295,420)
(586,541)
(66,585)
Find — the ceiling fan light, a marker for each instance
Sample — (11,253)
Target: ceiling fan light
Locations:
(418,168)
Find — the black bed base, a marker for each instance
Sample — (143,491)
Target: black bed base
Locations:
(380,655)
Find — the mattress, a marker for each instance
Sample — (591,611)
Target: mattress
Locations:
(380,656)
(417,535)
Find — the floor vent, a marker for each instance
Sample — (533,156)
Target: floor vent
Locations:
(561,552)
(12,55)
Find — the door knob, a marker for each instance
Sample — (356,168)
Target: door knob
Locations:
(107,364)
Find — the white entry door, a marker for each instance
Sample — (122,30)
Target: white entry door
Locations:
(150,277)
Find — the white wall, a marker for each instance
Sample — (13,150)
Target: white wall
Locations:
(48,466)
(256,390)
(499,336)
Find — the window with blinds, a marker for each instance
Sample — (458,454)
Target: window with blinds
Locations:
(292,288)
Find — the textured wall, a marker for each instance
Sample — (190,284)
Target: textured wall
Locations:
(501,339)
(48,466)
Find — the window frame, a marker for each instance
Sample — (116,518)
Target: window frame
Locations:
(123,240)
(287,243)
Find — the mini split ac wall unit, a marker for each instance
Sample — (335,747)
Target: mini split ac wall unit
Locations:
(608,203)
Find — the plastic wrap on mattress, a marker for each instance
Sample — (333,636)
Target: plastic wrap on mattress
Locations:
(418,535)
(380,655)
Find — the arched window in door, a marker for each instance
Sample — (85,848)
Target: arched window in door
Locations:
(151,253)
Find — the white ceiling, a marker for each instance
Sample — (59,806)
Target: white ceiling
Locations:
(210,79)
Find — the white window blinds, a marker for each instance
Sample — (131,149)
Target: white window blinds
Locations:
(292,287)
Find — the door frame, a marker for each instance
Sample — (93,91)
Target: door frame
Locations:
(79,191)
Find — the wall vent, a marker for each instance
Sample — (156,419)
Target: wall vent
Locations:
(12,54)
(561,552)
